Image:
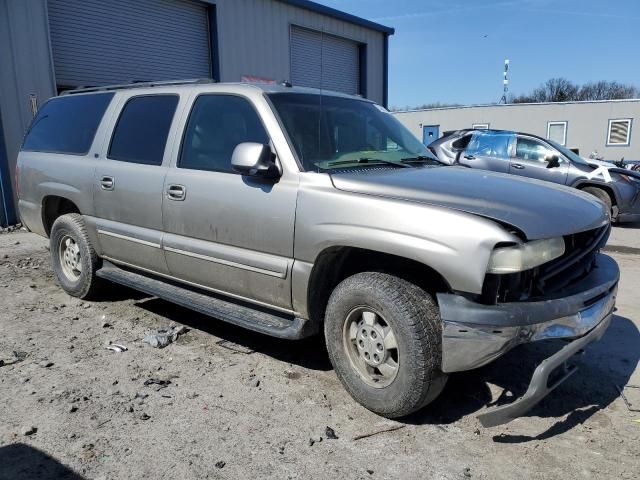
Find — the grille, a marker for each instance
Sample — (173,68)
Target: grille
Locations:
(543,282)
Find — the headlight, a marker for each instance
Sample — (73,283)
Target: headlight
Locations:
(524,256)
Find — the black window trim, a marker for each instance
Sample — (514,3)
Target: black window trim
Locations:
(60,152)
(186,123)
(121,110)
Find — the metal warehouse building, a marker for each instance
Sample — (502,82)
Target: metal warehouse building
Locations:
(51,45)
(602,126)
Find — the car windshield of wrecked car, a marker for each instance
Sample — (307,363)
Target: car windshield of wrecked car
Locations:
(330,132)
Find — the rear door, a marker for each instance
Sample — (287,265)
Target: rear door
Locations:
(224,231)
(488,151)
(531,159)
(129,180)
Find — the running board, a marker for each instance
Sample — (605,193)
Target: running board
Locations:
(255,318)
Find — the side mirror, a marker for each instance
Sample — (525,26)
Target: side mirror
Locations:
(553,161)
(255,160)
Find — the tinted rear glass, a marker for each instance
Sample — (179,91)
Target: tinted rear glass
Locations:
(67,124)
(141,133)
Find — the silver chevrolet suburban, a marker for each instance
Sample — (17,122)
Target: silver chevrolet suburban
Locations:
(289,210)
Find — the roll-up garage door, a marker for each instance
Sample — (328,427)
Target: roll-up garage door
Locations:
(97,42)
(322,60)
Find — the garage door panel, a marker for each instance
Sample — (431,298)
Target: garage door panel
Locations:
(322,60)
(97,43)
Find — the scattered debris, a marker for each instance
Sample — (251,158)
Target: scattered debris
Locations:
(291,375)
(73,409)
(630,407)
(384,430)
(330,434)
(17,358)
(253,382)
(234,347)
(144,416)
(192,395)
(314,440)
(164,336)
(27,431)
(637,420)
(467,472)
(117,347)
(46,364)
(369,471)
(159,382)
(220,464)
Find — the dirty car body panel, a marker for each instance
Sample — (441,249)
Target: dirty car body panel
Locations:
(258,239)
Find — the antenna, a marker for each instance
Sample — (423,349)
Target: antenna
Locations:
(505,82)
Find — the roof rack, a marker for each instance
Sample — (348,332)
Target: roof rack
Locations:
(162,83)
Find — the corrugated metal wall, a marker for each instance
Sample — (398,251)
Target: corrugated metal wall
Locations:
(99,43)
(321,60)
(254,38)
(25,70)
(587,122)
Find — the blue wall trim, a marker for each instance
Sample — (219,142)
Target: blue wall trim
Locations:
(332,12)
(7,212)
(214,45)
(362,67)
(385,73)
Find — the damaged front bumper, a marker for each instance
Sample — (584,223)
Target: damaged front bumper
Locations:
(475,334)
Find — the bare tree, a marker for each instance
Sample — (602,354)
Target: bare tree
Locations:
(563,90)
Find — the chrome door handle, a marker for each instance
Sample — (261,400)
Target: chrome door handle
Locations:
(176,192)
(107,183)
(518,166)
(469,157)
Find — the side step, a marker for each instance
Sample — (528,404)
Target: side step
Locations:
(239,313)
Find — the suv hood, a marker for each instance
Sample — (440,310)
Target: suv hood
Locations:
(538,209)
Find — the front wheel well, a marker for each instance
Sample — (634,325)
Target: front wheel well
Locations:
(53,207)
(604,188)
(338,263)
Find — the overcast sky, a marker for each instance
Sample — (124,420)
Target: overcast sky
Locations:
(453,50)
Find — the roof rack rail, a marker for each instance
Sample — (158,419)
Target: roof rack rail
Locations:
(162,83)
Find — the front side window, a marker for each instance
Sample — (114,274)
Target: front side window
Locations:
(141,133)
(217,124)
(494,145)
(335,132)
(67,124)
(532,150)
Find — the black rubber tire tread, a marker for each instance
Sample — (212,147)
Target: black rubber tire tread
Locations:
(600,194)
(86,286)
(415,318)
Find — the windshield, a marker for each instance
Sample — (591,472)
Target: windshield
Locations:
(334,132)
(574,157)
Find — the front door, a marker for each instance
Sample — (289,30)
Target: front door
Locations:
(224,231)
(430,133)
(488,151)
(532,160)
(129,180)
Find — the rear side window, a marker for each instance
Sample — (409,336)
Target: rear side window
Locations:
(67,124)
(489,145)
(217,124)
(141,133)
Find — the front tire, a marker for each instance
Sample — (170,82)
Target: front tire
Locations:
(73,258)
(602,196)
(384,340)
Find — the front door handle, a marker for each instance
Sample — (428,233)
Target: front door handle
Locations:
(518,166)
(469,157)
(176,192)
(107,182)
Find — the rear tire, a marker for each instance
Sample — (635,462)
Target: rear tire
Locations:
(602,196)
(405,374)
(73,258)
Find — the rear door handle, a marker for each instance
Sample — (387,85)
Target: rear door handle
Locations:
(176,192)
(469,157)
(107,182)
(518,166)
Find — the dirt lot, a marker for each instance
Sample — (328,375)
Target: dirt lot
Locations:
(241,405)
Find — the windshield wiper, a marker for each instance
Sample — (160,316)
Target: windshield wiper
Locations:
(421,159)
(367,160)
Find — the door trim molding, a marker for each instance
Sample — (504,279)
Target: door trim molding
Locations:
(226,262)
(128,238)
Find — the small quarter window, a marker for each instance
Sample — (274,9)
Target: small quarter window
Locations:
(619,132)
(557,131)
(217,124)
(67,124)
(141,133)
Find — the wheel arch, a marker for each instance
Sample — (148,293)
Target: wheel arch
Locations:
(54,206)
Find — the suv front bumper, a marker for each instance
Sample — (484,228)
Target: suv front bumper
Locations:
(474,334)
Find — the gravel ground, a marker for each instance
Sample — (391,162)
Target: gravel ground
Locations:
(226,403)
